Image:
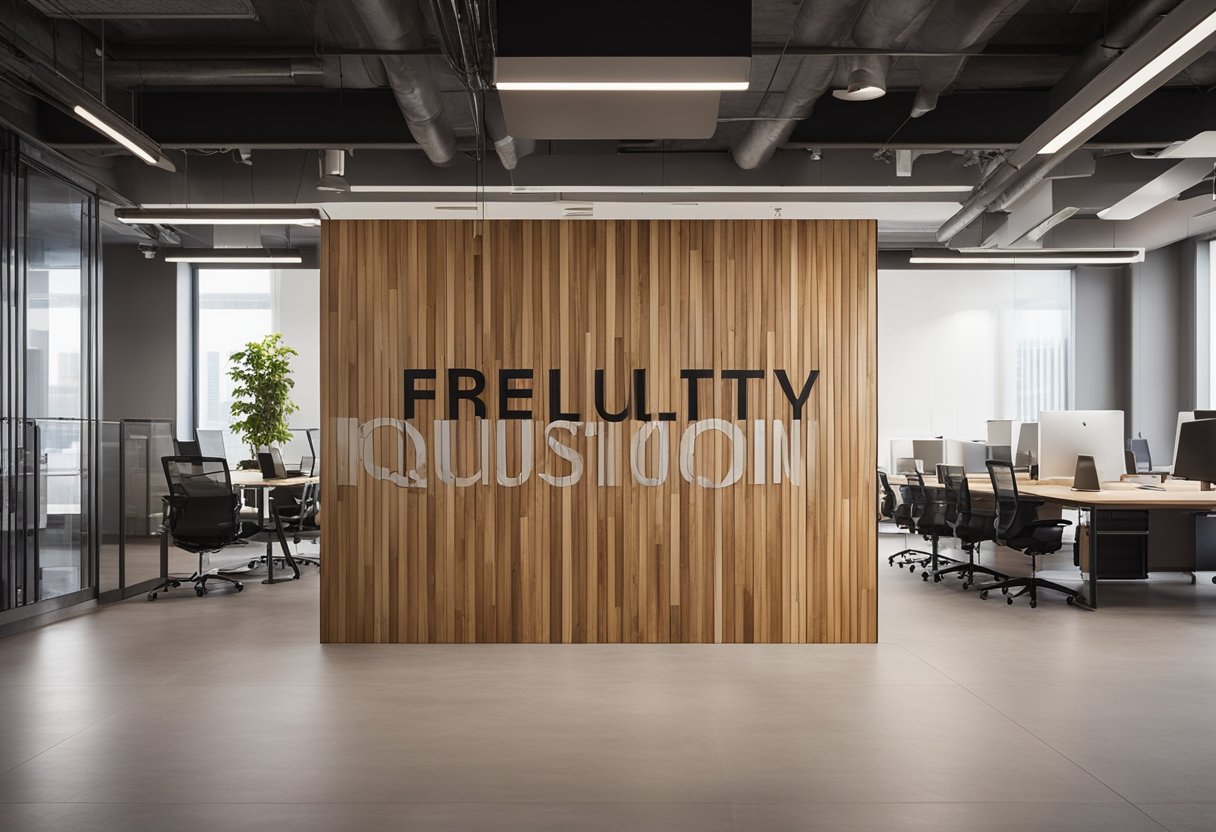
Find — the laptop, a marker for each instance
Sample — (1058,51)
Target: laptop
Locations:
(271,464)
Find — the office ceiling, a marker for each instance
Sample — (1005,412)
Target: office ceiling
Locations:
(967,81)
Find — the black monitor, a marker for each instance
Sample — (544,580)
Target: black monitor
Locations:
(1205,414)
(1196,457)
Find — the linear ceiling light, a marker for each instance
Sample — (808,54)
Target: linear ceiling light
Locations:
(218,216)
(234,255)
(1161,189)
(65,93)
(1027,257)
(114,134)
(624,86)
(1193,38)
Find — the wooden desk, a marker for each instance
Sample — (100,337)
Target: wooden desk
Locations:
(255,480)
(1178,495)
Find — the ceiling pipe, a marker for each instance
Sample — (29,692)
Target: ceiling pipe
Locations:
(510,148)
(953,25)
(822,22)
(183,73)
(1026,166)
(882,24)
(397,25)
(1109,45)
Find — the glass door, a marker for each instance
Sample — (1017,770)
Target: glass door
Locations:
(48,324)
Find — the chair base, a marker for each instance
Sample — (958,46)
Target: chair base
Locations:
(969,569)
(198,580)
(1029,586)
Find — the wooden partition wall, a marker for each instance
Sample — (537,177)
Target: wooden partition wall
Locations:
(598,431)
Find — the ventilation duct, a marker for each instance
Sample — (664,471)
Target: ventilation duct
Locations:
(396,26)
(147,9)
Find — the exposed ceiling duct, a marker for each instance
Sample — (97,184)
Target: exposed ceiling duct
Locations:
(225,73)
(1042,151)
(883,24)
(397,26)
(817,23)
(510,148)
(949,26)
(1109,45)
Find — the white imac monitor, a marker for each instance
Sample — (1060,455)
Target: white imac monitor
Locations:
(1002,431)
(1027,452)
(975,455)
(932,452)
(1066,434)
(1183,416)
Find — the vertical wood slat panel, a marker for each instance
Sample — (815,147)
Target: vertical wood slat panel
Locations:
(589,563)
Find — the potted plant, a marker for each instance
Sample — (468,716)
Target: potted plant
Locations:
(261,399)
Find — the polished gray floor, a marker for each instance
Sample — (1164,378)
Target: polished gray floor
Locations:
(222,713)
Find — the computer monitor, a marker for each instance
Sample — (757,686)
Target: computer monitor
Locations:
(1196,458)
(1184,416)
(1066,434)
(931,452)
(1205,414)
(975,454)
(1138,447)
(1028,445)
(1000,453)
(1001,431)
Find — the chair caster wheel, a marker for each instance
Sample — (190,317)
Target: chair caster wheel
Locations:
(937,579)
(966,584)
(925,577)
(912,568)
(152,596)
(1070,600)
(239,587)
(1033,604)
(1004,590)
(200,591)
(253,564)
(984,595)
(1009,601)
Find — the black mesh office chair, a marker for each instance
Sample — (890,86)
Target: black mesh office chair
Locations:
(201,516)
(936,520)
(972,527)
(1018,528)
(186,447)
(907,509)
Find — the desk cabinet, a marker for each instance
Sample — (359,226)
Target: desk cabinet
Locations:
(1122,544)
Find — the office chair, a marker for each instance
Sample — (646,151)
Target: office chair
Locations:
(186,447)
(904,517)
(201,516)
(936,520)
(972,527)
(1018,528)
(211,443)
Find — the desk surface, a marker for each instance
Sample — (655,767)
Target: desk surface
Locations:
(1177,493)
(254,479)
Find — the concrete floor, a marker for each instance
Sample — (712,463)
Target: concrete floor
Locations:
(222,713)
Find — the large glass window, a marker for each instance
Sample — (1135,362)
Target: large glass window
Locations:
(236,306)
(957,348)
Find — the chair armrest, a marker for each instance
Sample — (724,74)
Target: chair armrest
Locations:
(1044,524)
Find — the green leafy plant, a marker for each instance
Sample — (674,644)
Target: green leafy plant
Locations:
(261,398)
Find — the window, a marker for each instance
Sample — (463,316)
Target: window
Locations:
(234,307)
(957,348)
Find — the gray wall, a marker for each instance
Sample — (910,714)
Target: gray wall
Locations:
(1162,352)
(1134,341)
(139,336)
(1101,348)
